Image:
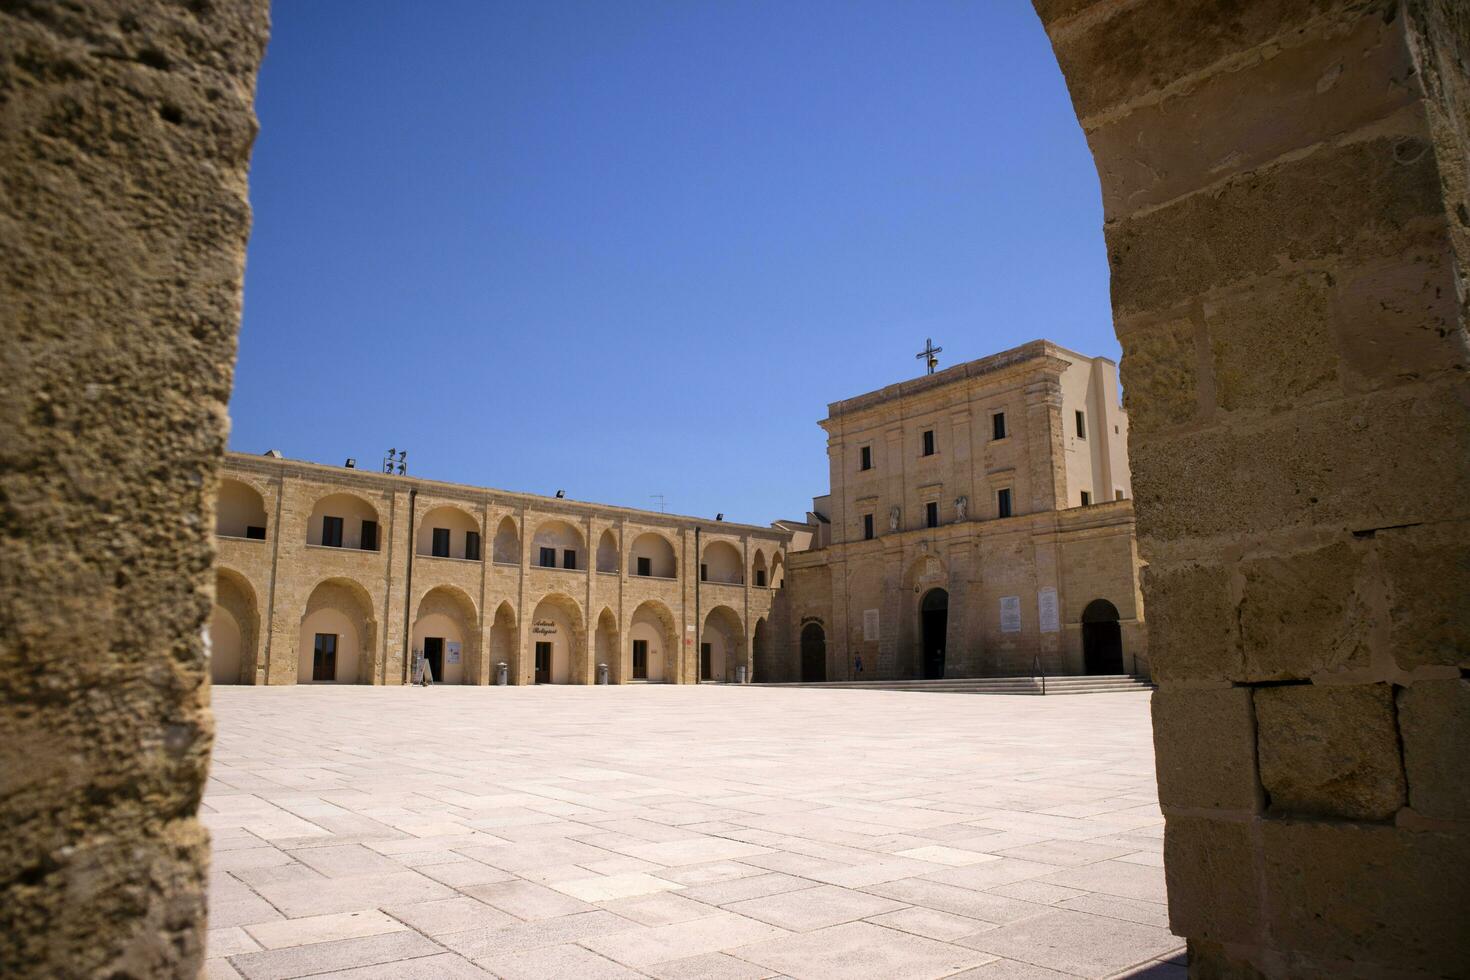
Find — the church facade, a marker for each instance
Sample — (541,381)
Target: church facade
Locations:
(979,523)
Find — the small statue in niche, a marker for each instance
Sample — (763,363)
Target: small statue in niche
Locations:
(961,508)
(893,518)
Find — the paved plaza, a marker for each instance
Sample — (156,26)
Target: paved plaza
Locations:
(683,832)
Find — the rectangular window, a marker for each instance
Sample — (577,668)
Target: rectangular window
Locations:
(645,567)
(703,572)
(640,660)
(332,532)
(441,542)
(998,425)
(928,442)
(866,454)
(369,536)
(548,557)
(1003,502)
(1081,425)
(1086,498)
(255,533)
(931,514)
(324,657)
(1117,494)
(568,558)
(760,578)
(472,545)
(867,527)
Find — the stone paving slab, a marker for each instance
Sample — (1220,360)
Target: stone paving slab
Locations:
(683,832)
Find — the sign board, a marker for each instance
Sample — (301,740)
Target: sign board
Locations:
(1010,614)
(451,652)
(1046,610)
(544,627)
(870,625)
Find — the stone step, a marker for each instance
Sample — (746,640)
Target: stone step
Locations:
(1069,684)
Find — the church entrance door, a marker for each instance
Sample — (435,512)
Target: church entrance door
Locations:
(434,656)
(813,653)
(1102,639)
(543,663)
(933,627)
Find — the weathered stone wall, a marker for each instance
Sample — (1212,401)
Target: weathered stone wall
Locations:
(1287,225)
(125,134)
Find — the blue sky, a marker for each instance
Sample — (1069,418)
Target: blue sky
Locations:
(633,248)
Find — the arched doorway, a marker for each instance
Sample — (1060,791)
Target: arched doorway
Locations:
(653,642)
(813,653)
(338,635)
(763,667)
(1102,639)
(558,641)
(446,632)
(933,626)
(721,645)
(234,626)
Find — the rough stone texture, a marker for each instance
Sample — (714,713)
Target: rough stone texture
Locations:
(1285,200)
(1434,722)
(1330,751)
(1217,772)
(125,133)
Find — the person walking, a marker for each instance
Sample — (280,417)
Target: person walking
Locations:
(858,666)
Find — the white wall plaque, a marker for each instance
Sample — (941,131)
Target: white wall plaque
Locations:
(451,652)
(1046,610)
(1010,614)
(870,625)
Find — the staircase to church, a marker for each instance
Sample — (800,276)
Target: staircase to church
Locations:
(1090,684)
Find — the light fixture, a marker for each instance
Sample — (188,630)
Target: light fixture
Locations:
(561,495)
(719,517)
(351,463)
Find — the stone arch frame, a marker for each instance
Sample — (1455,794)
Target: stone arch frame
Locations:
(567,521)
(758,565)
(446,599)
(662,536)
(577,650)
(607,645)
(730,551)
(918,574)
(609,555)
(226,519)
(234,593)
(778,570)
(363,618)
(504,644)
(423,535)
(735,633)
(349,532)
(764,667)
(505,547)
(672,638)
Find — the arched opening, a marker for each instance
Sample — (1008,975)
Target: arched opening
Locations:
(448,532)
(239,511)
(338,635)
(446,634)
(778,571)
(234,626)
(763,665)
(933,628)
(606,646)
(721,645)
(557,544)
(721,563)
(557,640)
(760,574)
(607,552)
(505,644)
(653,640)
(343,520)
(813,653)
(651,556)
(1102,639)
(507,547)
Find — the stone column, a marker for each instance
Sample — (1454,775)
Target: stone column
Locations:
(1045,455)
(1284,188)
(126,138)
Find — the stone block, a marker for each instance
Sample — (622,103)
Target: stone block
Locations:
(1205,748)
(1210,869)
(1398,319)
(1191,623)
(1160,376)
(1330,751)
(1427,570)
(1303,615)
(1272,345)
(1434,725)
(1389,900)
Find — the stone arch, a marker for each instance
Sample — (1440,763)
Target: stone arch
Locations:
(721,644)
(607,552)
(343,608)
(813,667)
(655,626)
(657,551)
(760,573)
(558,622)
(460,524)
(359,520)
(564,539)
(507,547)
(445,613)
(239,510)
(778,571)
(606,646)
(1102,638)
(721,563)
(925,572)
(764,668)
(234,629)
(505,643)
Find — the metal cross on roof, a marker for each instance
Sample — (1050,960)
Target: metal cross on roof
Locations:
(927,355)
